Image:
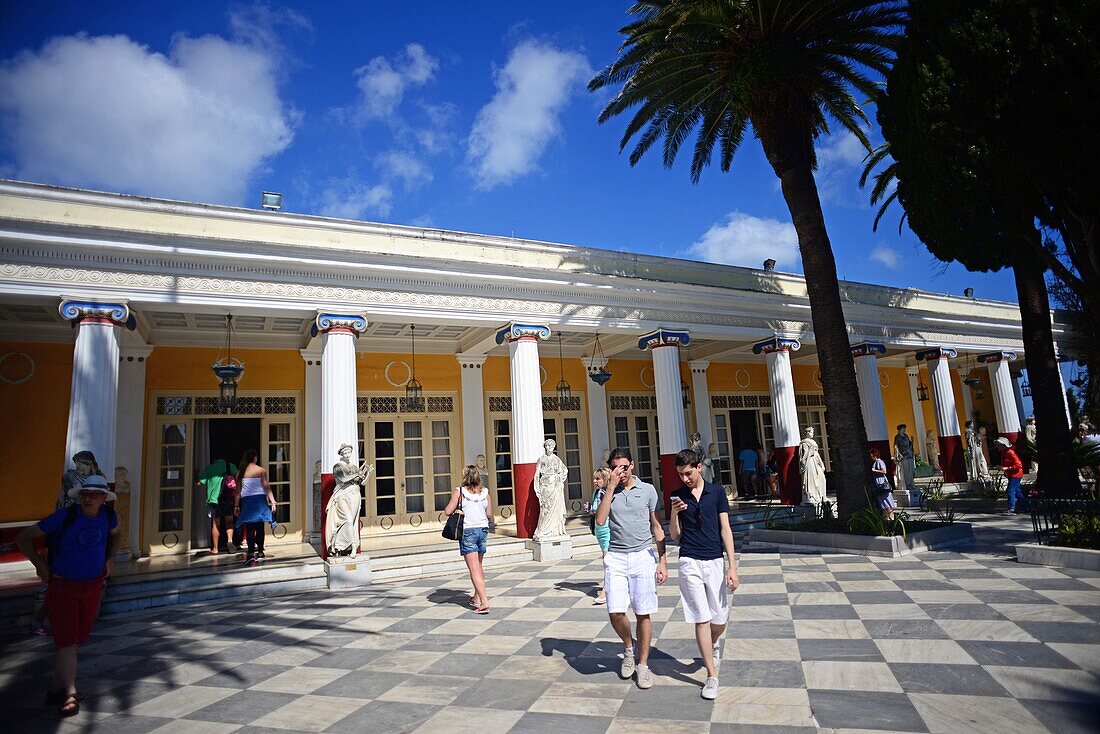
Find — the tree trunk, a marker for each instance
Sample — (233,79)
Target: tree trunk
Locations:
(789,148)
(1057,469)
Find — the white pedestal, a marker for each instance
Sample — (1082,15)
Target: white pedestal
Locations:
(345,573)
(551,549)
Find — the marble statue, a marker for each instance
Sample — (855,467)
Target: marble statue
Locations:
(984,434)
(342,510)
(710,464)
(315,526)
(550,476)
(932,450)
(122,506)
(1030,433)
(812,470)
(696,444)
(905,459)
(605,456)
(482,469)
(978,468)
(85,466)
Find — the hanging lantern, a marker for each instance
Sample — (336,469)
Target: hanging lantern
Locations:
(227,369)
(922,392)
(414,391)
(562,390)
(685,393)
(600,376)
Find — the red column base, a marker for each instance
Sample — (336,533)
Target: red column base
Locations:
(790,483)
(328,484)
(527,505)
(885,454)
(670,481)
(951,459)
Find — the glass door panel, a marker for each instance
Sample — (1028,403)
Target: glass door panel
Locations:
(279,467)
(501,463)
(442,478)
(384,453)
(413,453)
(172,506)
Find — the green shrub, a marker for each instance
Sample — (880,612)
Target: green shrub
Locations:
(1078,531)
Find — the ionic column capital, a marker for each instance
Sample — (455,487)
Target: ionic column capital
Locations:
(80,311)
(868,349)
(992,357)
(932,353)
(327,322)
(777,344)
(664,338)
(516,331)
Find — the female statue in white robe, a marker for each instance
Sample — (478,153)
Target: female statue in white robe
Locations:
(812,470)
(342,510)
(550,477)
(979,467)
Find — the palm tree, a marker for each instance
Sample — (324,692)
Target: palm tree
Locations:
(786,67)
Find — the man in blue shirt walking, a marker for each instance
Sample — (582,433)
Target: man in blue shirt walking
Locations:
(700,521)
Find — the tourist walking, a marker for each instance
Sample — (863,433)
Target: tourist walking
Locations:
(749,458)
(884,496)
(1013,470)
(81,541)
(219,482)
(632,570)
(602,532)
(700,521)
(255,505)
(473,499)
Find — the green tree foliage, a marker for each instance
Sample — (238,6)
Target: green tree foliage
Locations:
(713,68)
(979,116)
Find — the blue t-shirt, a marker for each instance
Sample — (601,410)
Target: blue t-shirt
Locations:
(748,459)
(700,526)
(82,550)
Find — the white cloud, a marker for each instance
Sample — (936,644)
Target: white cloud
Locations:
(887,256)
(106,112)
(839,163)
(406,167)
(352,199)
(842,149)
(382,83)
(743,239)
(513,129)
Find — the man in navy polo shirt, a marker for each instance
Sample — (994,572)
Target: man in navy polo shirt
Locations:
(700,521)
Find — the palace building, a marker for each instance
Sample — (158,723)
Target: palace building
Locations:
(114,308)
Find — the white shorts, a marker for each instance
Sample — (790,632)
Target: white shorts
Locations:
(629,579)
(703,590)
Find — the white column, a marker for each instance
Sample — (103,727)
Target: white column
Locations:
(473,406)
(968,402)
(339,411)
(700,395)
(130,430)
(870,390)
(664,347)
(947,417)
(598,429)
(1004,400)
(527,430)
(93,398)
(311,355)
(913,373)
(784,413)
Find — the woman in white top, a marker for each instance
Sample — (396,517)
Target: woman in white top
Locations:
(473,499)
(255,505)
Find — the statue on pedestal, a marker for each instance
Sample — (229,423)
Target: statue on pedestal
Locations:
(482,470)
(905,459)
(550,477)
(978,469)
(812,469)
(122,506)
(342,510)
(1030,434)
(711,468)
(86,466)
(932,450)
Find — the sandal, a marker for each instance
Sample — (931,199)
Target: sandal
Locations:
(481,610)
(69,707)
(59,696)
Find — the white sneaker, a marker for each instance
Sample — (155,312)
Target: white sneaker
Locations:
(716,653)
(645,677)
(710,689)
(626,670)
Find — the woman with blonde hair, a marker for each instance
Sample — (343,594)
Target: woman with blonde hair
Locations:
(472,498)
(602,532)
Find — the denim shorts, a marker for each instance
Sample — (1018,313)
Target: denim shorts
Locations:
(473,540)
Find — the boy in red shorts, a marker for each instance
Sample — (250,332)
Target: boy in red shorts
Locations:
(82,540)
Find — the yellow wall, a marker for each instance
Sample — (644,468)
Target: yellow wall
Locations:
(188,368)
(897,402)
(35,417)
(721,377)
(436,372)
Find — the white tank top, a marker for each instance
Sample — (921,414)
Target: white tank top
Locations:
(474,507)
(252,486)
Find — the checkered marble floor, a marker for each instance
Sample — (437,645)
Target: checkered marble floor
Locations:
(954,641)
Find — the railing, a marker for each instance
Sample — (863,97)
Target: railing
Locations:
(1048,515)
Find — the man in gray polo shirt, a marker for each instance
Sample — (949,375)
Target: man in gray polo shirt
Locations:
(631,568)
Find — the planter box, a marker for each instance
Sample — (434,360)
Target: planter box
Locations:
(923,471)
(862,545)
(1057,555)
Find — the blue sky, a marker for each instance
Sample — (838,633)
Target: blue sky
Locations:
(426,113)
